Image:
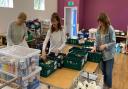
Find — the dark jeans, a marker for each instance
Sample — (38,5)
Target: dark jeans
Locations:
(107,67)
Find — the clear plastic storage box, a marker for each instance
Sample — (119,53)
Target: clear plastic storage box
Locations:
(5,79)
(22,62)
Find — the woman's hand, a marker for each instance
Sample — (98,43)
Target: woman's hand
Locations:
(57,51)
(43,55)
(102,47)
(93,50)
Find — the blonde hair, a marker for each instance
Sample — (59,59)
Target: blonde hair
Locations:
(22,15)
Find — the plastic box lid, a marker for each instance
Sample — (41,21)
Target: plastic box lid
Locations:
(19,51)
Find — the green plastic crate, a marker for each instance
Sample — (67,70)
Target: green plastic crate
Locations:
(59,58)
(79,52)
(72,41)
(46,73)
(76,49)
(88,43)
(83,49)
(47,69)
(86,49)
(95,57)
(74,63)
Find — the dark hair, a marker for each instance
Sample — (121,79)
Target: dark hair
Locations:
(56,16)
(105,20)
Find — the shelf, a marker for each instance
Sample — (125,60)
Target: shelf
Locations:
(122,37)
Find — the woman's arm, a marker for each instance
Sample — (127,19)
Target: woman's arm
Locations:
(112,39)
(46,40)
(26,32)
(97,41)
(9,36)
(63,37)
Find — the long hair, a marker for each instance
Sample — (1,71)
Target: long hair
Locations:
(56,16)
(105,20)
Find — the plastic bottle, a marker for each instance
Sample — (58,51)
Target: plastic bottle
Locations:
(23,67)
(118,48)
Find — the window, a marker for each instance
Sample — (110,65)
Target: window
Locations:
(39,4)
(6,3)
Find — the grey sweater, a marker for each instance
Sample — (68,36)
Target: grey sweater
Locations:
(16,34)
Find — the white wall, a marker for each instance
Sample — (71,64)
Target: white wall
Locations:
(8,15)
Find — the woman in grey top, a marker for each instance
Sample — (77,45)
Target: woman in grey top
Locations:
(17,31)
(105,42)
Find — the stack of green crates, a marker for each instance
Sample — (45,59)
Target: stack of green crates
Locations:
(72,41)
(86,49)
(47,68)
(75,49)
(88,43)
(80,52)
(95,57)
(75,60)
(59,58)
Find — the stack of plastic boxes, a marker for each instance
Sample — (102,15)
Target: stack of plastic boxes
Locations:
(5,79)
(22,62)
